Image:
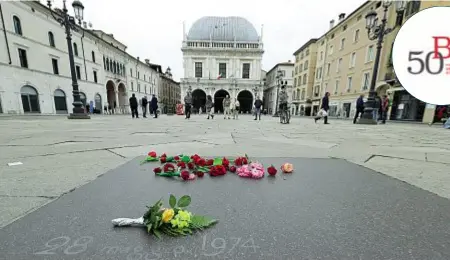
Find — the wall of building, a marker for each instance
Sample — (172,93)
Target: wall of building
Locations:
(271,90)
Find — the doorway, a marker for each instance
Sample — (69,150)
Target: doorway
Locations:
(60,102)
(30,99)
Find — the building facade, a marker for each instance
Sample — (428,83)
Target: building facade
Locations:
(34,65)
(305,97)
(271,91)
(222,56)
(169,92)
(344,65)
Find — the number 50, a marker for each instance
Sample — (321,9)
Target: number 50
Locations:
(425,64)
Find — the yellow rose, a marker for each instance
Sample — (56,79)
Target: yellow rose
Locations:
(167,215)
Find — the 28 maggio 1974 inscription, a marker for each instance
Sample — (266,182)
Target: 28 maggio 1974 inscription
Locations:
(210,247)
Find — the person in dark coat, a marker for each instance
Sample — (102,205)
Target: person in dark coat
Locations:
(324,109)
(144,106)
(134,106)
(359,107)
(154,105)
(258,104)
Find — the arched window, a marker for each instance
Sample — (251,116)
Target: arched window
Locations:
(114,67)
(51,39)
(107,64)
(30,99)
(104,62)
(93,56)
(111,68)
(17,25)
(75,49)
(60,101)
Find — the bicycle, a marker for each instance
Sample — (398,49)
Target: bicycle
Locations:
(285,115)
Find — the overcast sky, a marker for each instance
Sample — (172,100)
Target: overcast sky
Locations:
(154,28)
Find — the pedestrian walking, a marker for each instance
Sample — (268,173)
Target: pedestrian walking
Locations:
(134,106)
(236,108)
(154,105)
(88,108)
(359,107)
(324,107)
(384,108)
(258,107)
(226,107)
(144,102)
(187,105)
(209,105)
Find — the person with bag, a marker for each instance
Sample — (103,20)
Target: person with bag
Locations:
(323,113)
(209,105)
(236,107)
(359,108)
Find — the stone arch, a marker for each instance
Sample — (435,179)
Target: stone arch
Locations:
(30,99)
(198,99)
(59,97)
(110,93)
(382,88)
(245,98)
(219,95)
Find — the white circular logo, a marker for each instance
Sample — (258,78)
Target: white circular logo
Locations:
(421,55)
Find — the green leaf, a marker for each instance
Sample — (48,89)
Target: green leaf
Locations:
(184,201)
(149,228)
(185,159)
(172,201)
(169,159)
(201,222)
(157,233)
(218,161)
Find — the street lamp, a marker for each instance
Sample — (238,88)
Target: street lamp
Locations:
(377,32)
(280,83)
(69,23)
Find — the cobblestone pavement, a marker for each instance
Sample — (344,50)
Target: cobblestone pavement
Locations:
(58,154)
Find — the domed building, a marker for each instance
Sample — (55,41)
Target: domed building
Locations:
(222,56)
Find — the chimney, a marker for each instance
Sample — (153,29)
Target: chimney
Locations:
(341,17)
(147,61)
(331,24)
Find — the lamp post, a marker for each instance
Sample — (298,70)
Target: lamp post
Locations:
(377,32)
(280,83)
(69,23)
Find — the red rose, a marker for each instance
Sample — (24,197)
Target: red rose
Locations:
(199,174)
(272,170)
(191,166)
(217,170)
(233,169)
(225,162)
(157,170)
(185,175)
(176,158)
(195,156)
(168,167)
(238,161)
(244,161)
(152,154)
(210,162)
(201,162)
(163,155)
(162,159)
(182,165)
(222,169)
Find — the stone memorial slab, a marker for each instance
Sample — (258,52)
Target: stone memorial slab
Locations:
(326,209)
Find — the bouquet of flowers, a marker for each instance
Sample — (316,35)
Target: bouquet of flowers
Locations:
(172,221)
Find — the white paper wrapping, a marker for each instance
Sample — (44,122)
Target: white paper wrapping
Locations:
(123,222)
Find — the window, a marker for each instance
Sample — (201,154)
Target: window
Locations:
(145,89)
(296,69)
(307,52)
(51,39)
(107,64)
(246,70)
(223,70)
(138,87)
(336,86)
(321,55)
(139,75)
(369,56)
(356,36)
(319,73)
(328,69)
(144,80)
(412,7)
(295,82)
(390,63)
(93,56)
(95,76)
(344,28)
(104,62)
(338,65)
(283,73)
(55,66)
(332,36)
(292,74)
(316,91)
(299,82)
(75,49)
(349,83)
(365,83)
(300,68)
(198,70)
(305,67)
(303,94)
(132,86)
(78,70)
(342,44)
(23,58)
(17,25)
(331,49)
(304,78)
(353,60)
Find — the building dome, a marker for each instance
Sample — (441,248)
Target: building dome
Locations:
(223,29)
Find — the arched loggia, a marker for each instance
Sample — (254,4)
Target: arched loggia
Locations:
(218,99)
(245,99)
(198,99)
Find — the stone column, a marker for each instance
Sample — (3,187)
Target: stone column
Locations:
(117,102)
